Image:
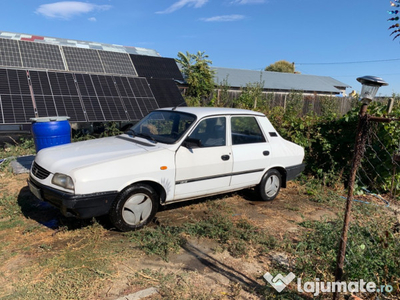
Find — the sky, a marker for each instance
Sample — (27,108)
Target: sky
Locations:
(343,39)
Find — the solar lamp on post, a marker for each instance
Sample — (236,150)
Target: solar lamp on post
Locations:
(370,86)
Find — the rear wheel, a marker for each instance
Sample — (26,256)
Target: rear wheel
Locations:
(270,185)
(135,207)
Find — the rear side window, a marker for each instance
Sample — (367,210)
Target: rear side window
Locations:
(245,130)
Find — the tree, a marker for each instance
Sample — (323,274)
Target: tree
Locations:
(282,66)
(198,75)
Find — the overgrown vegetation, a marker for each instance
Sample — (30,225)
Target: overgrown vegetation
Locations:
(329,142)
(86,259)
(328,137)
(372,246)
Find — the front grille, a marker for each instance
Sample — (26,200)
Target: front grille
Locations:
(39,172)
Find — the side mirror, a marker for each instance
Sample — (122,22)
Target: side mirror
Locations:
(191,143)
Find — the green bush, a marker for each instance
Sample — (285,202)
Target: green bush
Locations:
(328,141)
(371,251)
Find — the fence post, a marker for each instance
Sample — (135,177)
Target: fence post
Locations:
(359,147)
(284,103)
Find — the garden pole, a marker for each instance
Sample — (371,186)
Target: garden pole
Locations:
(359,147)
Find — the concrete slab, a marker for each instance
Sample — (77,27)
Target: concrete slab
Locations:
(22,164)
(140,294)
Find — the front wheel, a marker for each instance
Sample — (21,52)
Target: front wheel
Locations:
(135,207)
(270,185)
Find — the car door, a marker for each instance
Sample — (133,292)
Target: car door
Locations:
(250,150)
(206,166)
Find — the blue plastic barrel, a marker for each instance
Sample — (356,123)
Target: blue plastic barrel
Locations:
(50,131)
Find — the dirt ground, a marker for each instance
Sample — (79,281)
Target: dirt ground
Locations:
(215,272)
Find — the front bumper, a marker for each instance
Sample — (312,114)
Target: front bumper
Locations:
(71,205)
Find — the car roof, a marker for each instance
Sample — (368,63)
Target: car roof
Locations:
(201,112)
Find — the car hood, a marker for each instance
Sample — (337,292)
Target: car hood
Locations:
(65,158)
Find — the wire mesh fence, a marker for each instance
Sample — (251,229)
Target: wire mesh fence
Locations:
(373,239)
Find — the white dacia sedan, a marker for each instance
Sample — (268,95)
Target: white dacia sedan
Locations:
(171,155)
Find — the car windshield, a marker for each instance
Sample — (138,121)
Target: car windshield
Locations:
(162,126)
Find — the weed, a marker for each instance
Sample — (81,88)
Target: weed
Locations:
(215,226)
(237,237)
(45,247)
(78,271)
(32,228)
(110,129)
(270,293)
(290,207)
(238,248)
(173,286)
(160,241)
(25,146)
(8,207)
(371,254)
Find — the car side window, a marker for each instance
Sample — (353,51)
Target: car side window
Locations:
(245,130)
(211,132)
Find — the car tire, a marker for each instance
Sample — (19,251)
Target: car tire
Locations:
(135,207)
(270,185)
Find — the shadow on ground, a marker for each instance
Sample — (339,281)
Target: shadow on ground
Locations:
(49,216)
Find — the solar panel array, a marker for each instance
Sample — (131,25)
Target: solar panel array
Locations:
(87,85)
(82,97)
(25,54)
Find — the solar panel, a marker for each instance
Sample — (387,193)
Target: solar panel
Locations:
(143,95)
(128,98)
(132,108)
(15,100)
(85,85)
(9,53)
(156,67)
(90,101)
(136,95)
(166,92)
(66,96)
(4,87)
(44,100)
(83,60)
(137,87)
(41,56)
(117,63)
(112,106)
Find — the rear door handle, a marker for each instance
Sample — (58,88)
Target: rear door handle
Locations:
(266,153)
(225,157)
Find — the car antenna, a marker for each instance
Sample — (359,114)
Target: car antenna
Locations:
(184,102)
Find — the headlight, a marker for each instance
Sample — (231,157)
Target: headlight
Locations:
(63,180)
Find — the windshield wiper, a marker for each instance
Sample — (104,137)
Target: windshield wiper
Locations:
(130,132)
(146,136)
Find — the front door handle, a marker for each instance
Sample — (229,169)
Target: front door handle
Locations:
(266,153)
(225,157)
